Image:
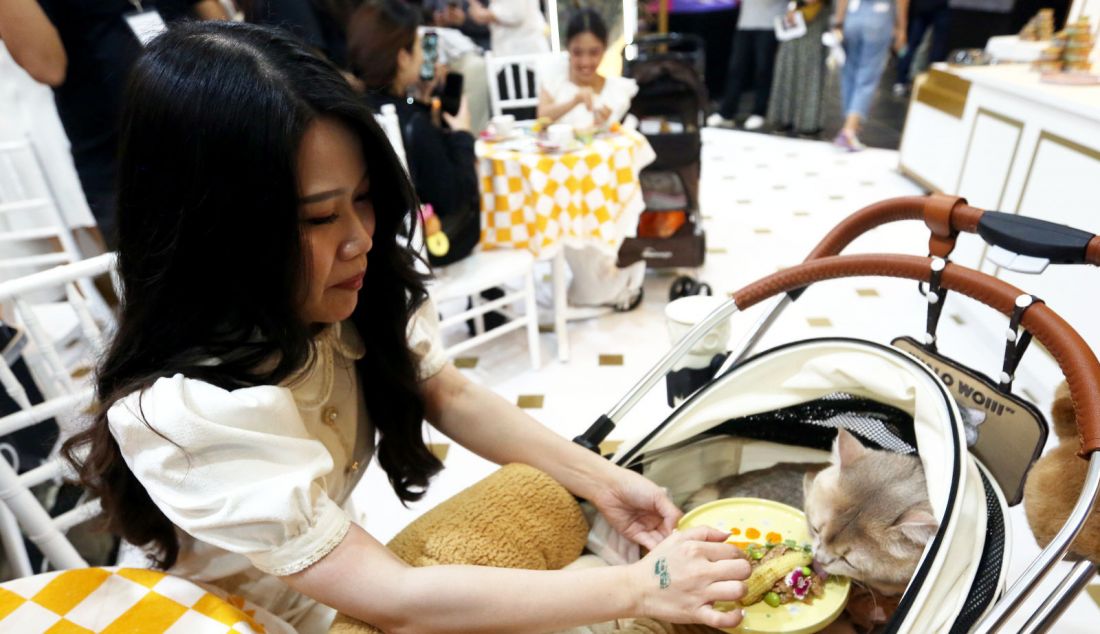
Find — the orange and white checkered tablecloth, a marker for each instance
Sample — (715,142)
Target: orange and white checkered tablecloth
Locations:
(126,600)
(535,200)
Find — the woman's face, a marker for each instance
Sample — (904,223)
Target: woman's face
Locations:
(337,217)
(585,53)
(408,65)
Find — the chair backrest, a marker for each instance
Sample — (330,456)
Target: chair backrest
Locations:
(33,233)
(391,125)
(514,82)
(66,400)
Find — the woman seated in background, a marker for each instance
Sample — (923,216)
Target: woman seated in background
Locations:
(385,54)
(578,94)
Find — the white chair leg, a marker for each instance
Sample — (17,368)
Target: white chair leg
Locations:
(479,319)
(532,317)
(560,306)
(14,549)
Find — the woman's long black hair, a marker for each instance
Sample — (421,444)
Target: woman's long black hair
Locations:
(210,255)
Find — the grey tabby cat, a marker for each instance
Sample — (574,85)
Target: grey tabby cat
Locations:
(868,511)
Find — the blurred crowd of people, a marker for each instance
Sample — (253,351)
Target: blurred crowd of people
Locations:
(84,48)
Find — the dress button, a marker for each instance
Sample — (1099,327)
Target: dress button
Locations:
(329,416)
(352,468)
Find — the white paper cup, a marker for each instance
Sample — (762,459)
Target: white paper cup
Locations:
(560,133)
(682,314)
(504,124)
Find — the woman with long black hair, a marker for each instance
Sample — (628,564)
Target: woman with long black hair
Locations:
(274,334)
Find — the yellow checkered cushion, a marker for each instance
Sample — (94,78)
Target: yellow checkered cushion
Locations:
(126,600)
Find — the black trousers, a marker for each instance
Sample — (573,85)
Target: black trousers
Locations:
(939,20)
(753,56)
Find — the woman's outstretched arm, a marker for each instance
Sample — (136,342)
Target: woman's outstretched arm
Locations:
(361,578)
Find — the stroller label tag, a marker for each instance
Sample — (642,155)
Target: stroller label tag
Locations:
(1005,431)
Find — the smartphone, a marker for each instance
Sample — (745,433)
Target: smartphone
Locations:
(450,95)
(429,43)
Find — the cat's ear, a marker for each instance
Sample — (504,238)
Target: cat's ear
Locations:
(847,448)
(917,525)
(807,484)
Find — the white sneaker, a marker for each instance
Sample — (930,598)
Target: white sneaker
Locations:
(716,120)
(755,122)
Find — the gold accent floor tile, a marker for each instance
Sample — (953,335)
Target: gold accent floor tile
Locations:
(802,214)
(819,322)
(866,292)
(779,187)
(466,362)
(958,319)
(744,202)
(609,446)
(717,250)
(761,230)
(439,450)
(611,359)
(530,401)
(811,173)
(836,197)
(867,183)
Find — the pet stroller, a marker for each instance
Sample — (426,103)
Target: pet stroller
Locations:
(670,104)
(784,404)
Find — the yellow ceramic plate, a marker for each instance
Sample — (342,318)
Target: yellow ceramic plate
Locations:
(752,520)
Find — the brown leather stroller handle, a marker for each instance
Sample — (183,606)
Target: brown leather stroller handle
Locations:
(1073,355)
(944,215)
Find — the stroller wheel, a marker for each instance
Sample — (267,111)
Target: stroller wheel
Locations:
(686,285)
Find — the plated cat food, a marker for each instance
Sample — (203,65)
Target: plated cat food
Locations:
(779,535)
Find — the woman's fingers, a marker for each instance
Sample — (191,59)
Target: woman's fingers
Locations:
(707,615)
(732,569)
(720,551)
(705,534)
(725,591)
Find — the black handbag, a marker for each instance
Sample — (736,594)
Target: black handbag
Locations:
(32,444)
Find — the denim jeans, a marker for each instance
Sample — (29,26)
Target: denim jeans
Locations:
(868,33)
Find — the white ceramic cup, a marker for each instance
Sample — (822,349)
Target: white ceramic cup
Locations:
(504,124)
(560,134)
(682,314)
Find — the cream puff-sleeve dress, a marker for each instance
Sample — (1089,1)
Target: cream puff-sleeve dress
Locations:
(256,480)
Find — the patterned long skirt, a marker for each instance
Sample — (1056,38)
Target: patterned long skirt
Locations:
(796,99)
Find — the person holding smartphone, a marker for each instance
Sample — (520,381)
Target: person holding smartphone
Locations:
(398,66)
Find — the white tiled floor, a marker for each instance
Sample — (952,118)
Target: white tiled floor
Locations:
(766,202)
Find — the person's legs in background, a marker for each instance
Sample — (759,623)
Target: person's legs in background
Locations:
(764,47)
(873,33)
(853,43)
(941,29)
(740,60)
(598,281)
(918,23)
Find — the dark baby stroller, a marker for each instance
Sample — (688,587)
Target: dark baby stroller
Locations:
(785,404)
(670,104)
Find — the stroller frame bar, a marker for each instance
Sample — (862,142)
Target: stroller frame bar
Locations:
(1056,604)
(1044,563)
